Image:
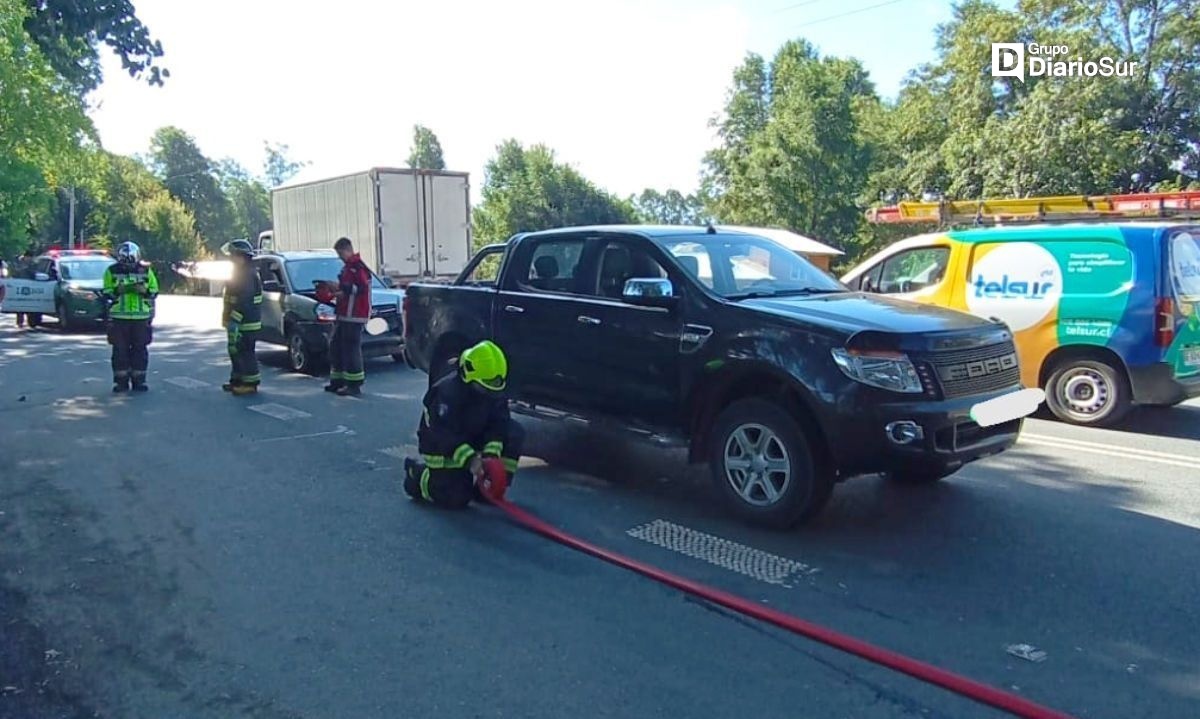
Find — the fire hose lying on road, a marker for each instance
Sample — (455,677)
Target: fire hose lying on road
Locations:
(971,689)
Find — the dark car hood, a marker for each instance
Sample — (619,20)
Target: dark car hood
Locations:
(853,312)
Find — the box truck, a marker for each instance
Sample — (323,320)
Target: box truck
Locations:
(407,224)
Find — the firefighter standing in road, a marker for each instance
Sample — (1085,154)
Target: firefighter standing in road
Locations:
(353,294)
(131,288)
(465,425)
(242,319)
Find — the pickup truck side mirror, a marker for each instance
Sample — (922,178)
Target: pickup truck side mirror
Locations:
(649,292)
(272,286)
(41,277)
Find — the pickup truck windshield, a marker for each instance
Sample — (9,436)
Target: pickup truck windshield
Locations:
(747,266)
(304,272)
(83,269)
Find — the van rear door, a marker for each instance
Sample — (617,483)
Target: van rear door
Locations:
(1182,318)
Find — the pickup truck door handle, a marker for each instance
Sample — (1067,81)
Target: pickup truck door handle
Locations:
(584,319)
(514,309)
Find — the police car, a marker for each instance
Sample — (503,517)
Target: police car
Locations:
(65,284)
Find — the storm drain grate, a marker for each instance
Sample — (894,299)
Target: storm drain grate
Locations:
(754,563)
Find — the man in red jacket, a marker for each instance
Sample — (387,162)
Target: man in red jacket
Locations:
(346,374)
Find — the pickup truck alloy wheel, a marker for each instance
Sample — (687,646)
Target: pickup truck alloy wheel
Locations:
(757,464)
(1087,392)
(763,464)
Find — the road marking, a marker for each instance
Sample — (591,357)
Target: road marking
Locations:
(278,411)
(340,430)
(1109,450)
(400,451)
(187,382)
(754,563)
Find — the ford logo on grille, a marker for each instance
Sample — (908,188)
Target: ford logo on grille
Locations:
(977,368)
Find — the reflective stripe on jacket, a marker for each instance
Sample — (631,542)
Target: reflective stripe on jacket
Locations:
(120,285)
(456,420)
(243,296)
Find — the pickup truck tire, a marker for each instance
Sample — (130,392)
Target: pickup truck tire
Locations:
(763,464)
(1088,392)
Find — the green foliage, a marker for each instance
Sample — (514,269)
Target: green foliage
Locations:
(140,209)
(669,208)
(278,167)
(795,150)
(192,179)
(426,152)
(70,33)
(249,200)
(42,131)
(527,190)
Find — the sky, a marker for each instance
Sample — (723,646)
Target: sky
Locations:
(622,90)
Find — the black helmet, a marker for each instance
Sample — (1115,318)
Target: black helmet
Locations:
(238,247)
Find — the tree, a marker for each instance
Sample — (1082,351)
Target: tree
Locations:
(192,179)
(793,153)
(42,130)
(249,200)
(140,209)
(669,208)
(278,168)
(426,152)
(69,34)
(527,189)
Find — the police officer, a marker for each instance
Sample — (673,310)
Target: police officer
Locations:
(242,318)
(465,422)
(131,287)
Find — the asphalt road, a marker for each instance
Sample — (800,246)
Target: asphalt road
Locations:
(186,553)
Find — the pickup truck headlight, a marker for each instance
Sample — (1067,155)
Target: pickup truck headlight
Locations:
(325,313)
(886,370)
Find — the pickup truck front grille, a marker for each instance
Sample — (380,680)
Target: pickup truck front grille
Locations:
(962,373)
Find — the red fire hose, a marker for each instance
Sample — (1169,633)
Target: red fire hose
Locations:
(981,693)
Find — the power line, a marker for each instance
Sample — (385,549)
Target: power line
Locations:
(793,7)
(852,12)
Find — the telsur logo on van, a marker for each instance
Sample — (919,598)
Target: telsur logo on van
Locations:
(1034,290)
(1019,283)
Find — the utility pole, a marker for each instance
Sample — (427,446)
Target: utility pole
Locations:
(71,221)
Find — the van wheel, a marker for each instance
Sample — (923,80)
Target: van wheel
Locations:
(764,467)
(1088,392)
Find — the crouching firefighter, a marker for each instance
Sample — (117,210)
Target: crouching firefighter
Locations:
(242,319)
(130,288)
(466,431)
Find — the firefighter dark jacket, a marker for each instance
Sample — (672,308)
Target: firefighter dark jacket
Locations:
(243,298)
(459,421)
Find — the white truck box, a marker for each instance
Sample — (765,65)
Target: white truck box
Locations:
(407,224)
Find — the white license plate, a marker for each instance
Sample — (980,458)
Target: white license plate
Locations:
(1191,357)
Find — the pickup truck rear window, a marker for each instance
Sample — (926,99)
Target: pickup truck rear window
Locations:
(554,265)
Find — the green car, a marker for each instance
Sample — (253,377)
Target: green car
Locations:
(64,284)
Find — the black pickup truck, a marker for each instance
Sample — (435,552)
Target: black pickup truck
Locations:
(778,376)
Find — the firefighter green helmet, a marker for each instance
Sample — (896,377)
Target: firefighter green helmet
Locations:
(484,364)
